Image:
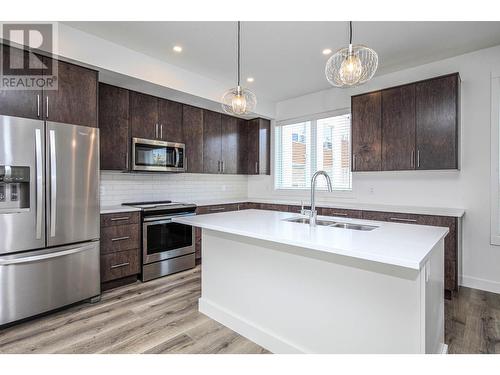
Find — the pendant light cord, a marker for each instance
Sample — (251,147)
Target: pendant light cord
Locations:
(350,32)
(239,53)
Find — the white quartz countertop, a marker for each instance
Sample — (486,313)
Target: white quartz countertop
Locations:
(403,245)
(117,209)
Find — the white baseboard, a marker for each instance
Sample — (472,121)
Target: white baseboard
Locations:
(482,284)
(249,330)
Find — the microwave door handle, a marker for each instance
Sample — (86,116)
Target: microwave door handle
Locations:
(53,183)
(177,157)
(39,182)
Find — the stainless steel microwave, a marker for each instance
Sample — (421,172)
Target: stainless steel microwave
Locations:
(157,156)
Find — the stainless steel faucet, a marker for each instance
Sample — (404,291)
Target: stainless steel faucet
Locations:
(312,211)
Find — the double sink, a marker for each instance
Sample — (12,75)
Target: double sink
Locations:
(332,223)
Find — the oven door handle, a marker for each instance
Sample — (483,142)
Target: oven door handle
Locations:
(157,222)
(157,219)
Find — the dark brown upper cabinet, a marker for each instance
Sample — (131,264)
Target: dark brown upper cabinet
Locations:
(437,121)
(366,132)
(192,123)
(259,143)
(170,121)
(398,128)
(114,127)
(212,142)
(75,100)
(19,103)
(143,116)
(230,142)
(413,126)
(242,167)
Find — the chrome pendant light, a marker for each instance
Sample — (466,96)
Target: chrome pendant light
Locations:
(238,100)
(351,66)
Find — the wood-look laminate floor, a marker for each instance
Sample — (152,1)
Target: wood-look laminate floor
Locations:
(162,316)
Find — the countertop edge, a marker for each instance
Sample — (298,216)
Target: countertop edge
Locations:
(413,265)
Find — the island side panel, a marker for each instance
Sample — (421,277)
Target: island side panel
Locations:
(433,307)
(320,303)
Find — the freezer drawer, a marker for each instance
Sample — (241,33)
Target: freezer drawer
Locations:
(35,282)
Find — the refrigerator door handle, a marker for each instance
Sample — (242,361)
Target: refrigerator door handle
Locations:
(39,182)
(53,183)
(36,258)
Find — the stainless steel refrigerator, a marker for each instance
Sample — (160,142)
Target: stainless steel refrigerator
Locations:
(49,216)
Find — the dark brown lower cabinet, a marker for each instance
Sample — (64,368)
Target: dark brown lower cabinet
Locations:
(450,241)
(120,249)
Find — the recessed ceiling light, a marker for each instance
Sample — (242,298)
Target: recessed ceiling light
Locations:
(327,51)
(177,49)
(250,79)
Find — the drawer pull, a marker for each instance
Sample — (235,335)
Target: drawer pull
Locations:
(120,218)
(120,265)
(217,209)
(403,220)
(120,238)
(338,214)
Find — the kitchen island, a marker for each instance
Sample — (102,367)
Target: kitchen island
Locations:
(292,288)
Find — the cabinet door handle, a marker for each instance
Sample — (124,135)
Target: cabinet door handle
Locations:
(120,218)
(156,130)
(120,265)
(403,220)
(256,167)
(222,166)
(217,209)
(412,159)
(46,107)
(120,238)
(38,105)
(339,214)
(418,158)
(161,131)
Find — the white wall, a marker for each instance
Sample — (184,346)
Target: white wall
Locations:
(117,188)
(467,188)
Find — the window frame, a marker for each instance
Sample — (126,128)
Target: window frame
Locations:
(313,135)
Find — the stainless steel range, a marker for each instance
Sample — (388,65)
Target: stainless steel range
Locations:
(167,247)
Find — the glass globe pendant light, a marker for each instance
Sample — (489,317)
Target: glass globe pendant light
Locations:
(351,66)
(238,100)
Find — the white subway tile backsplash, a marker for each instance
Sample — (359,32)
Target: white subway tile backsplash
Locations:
(117,187)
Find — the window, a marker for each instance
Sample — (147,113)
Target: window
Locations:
(302,148)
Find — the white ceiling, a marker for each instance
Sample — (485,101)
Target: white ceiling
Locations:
(285,57)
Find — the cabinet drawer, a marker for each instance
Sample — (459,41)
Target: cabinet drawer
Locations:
(394,217)
(121,218)
(274,207)
(118,265)
(216,208)
(119,238)
(340,212)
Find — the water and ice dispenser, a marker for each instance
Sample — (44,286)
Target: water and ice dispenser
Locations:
(14,187)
